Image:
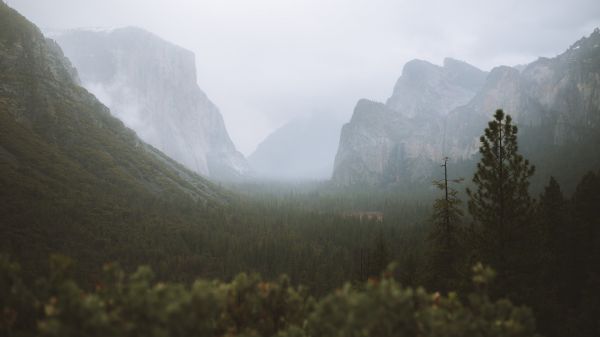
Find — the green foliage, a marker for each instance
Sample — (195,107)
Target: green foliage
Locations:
(134,305)
(546,254)
(12,25)
(582,253)
(387,309)
(501,205)
(501,199)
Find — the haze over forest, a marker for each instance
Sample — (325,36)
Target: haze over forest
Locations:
(299,168)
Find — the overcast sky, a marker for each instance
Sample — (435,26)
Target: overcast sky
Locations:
(264,62)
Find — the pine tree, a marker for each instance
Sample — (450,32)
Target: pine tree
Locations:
(584,247)
(551,217)
(501,206)
(552,231)
(445,236)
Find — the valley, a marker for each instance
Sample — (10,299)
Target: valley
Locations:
(127,210)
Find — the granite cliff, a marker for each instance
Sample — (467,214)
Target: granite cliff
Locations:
(436,112)
(151,85)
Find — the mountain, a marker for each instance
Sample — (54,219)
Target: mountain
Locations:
(301,149)
(74,178)
(432,114)
(151,85)
(428,90)
(399,140)
(556,104)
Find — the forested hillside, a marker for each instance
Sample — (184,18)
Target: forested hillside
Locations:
(73,178)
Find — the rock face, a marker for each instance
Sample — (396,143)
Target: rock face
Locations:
(556,104)
(427,90)
(150,84)
(300,150)
(58,141)
(441,111)
(398,140)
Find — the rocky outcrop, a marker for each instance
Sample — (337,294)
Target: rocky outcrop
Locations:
(441,111)
(397,141)
(150,84)
(428,90)
(555,101)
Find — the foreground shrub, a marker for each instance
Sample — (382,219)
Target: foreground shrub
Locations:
(135,305)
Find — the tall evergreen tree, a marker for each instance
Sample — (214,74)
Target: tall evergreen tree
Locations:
(551,216)
(584,247)
(500,205)
(552,233)
(444,258)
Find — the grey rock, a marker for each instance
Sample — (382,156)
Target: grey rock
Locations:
(150,84)
(427,90)
(441,111)
(399,140)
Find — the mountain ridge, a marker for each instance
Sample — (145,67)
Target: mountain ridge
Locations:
(549,99)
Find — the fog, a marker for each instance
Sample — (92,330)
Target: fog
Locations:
(266,62)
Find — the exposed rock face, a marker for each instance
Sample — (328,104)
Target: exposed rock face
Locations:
(399,140)
(566,89)
(150,84)
(427,90)
(556,102)
(465,124)
(300,150)
(366,144)
(59,140)
(441,111)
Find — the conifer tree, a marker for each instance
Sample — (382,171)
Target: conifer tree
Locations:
(582,295)
(500,205)
(551,217)
(445,236)
(553,233)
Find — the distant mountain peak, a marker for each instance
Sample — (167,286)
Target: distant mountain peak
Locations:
(302,149)
(500,72)
(428,89)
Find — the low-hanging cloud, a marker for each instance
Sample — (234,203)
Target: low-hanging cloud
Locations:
(265,62)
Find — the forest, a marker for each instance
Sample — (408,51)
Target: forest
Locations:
(481,256)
